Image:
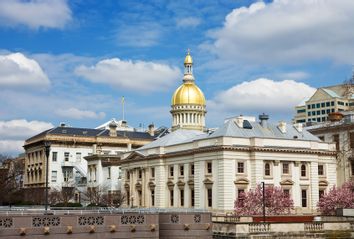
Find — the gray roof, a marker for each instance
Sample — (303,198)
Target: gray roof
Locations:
(231,129)
(92,133)
(176,137)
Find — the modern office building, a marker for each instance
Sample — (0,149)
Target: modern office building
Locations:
(325,100)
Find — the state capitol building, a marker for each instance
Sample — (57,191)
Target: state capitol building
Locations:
(192,167)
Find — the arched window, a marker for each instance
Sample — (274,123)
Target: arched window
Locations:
(303,170)
(267,169)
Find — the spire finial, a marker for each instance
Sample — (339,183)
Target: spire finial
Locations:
(188,51)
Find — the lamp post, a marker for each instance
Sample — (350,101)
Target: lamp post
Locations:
(263,194)
(47,151)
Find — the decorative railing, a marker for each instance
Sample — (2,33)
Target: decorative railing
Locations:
(313,226)
(258,227)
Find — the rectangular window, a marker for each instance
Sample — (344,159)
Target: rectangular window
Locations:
(285,168)
(181,195)
(66,156)
(313,106)
(332,103)
(303,170)
(301,111)
(109,172)
(192,169)
(313,112)
(171,198)
(336,141)
(321,193)
(68,174)
(304,198)
(332,110)
(181,170)
(152,198)
(308,113)
(210,197)
(152,172)
(328,111)
(340,103)
(54,176)
(286,192)
(323,104)
(240,167)
(351,136)
(140,174)
(171,171)
(308,107)
(78,156)
(192,197)
(209,168)
(327,104)
(54,156)
(267,169)
(140,198)
(323,112)
(318,105)
(128,175)
(320,170)
(352,166)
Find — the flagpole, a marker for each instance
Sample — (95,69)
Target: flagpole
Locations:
(123,106)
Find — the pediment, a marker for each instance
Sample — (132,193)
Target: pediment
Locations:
(135,155)
(323,183)
(241,181)
(180,183)
(126,185)
(287,182)
(138,185)
(151,184)
(190,182)
(208,181)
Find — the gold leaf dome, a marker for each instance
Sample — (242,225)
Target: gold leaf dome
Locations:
(188,93)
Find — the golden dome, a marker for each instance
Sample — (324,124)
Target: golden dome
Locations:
(188,59)
(188,93)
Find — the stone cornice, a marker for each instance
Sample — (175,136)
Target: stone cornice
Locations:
(231,148)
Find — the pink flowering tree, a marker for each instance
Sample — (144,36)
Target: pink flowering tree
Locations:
(251,202)
(337,197)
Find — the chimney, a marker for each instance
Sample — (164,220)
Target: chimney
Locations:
(282,126)
(264,119)
(124,124)
(239,121)
(62,124)
(151,129)
(298,127)
(112,129)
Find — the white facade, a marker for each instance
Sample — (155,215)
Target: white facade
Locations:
(193,169)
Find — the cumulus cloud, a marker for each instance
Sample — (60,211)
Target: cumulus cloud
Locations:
(21,128)
(188,22)
(35,13)
(287,31)
(137,76)
(262,95)
(13,133)
(16,70)
(74,113)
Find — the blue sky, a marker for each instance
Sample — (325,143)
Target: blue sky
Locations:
(72,61)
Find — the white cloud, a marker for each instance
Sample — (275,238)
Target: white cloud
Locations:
(294,75)
(137,76)
(188,22)
(35,13)
(13,133)
(75,113)
(261,95)
(21,128)
(16,70)
(288,31)
(11,147)
(139,35)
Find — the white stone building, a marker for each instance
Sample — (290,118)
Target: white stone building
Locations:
(194,168)
(340,132)
(69,148)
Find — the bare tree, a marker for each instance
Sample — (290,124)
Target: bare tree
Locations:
(100,196)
